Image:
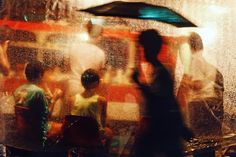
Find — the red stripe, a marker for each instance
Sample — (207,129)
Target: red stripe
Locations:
(31,26)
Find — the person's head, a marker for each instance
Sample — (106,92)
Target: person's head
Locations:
(34,71)
(90,79)
(195,42)
(151,41)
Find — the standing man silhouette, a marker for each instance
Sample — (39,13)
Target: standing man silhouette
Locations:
(161,127)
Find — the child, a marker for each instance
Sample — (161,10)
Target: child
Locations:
(90,104)
(33,99)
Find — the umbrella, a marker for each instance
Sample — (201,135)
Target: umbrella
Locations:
(140,10)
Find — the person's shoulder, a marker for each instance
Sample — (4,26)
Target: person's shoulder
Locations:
(77,96)
(101,99)
(36,88)
(21,87)
(29,88)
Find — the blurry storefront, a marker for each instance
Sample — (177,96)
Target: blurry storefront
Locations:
(54,31)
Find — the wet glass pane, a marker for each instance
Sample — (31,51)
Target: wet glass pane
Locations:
(56,35)
(20,35)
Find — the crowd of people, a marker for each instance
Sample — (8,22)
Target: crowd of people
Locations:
(161,129)
(39,105)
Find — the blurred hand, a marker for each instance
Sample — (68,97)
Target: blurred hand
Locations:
(48,92)
(57,94)
(48,97)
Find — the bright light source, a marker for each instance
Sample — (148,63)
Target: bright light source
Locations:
(208,34)
(82,4)
(217,9)
(97,21)
(83,36)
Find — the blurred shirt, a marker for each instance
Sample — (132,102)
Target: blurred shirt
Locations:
(87,107)
(33,97)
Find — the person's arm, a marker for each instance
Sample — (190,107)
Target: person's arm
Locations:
(52,97)
(143,87)
(4,63)
(185,57)
(56,96)
(71,101)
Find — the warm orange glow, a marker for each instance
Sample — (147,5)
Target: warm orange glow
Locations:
(38,26)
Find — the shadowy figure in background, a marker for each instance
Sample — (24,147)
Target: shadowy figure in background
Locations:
(83,55)
(201,90)
(58,9)
(4,40)
(4,69)
(161,129)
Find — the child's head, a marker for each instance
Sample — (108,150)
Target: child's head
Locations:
(90,79)
(34,71)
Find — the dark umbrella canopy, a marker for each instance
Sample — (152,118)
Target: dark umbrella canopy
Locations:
(139,10)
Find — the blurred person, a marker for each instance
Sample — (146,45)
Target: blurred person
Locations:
(200,93)
(161,127)
(32,97)
(59,9)
(4,71)
(83,55)
(90,104)
(66,8)
(4,40)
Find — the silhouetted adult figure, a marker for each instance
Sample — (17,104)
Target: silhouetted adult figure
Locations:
(161,130)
